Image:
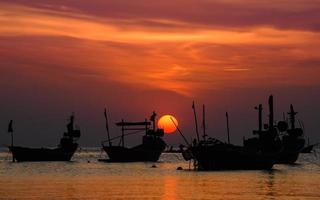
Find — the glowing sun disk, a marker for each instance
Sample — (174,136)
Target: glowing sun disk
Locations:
(166,123)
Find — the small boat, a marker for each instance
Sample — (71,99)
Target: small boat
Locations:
(63,152)
(308,148)
(258,153)
(149,151)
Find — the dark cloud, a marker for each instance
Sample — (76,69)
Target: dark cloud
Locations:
(302,15)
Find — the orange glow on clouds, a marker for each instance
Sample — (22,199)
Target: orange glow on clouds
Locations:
(180,56)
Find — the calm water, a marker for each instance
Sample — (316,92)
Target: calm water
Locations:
(86,178)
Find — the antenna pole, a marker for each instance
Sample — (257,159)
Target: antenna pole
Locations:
(196,121)
(228,130)
(186,141)
(204,122)
(292,114)
(107,126)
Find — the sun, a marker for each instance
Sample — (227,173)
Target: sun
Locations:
(166,123)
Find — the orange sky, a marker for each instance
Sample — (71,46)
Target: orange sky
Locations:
(182,48)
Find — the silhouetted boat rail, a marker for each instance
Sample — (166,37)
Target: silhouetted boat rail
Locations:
(120,136)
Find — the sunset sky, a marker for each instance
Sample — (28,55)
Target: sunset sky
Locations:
(133,57)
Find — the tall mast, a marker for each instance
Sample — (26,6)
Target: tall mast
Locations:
(259,108)
(10,130)
(271,114)
(122,133)
(292,114)
(107,126)
(228,130)
(196,121)
(204,122)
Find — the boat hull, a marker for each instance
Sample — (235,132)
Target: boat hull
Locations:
(136,154)
(292,147)
(307,149)
(23,154)
(221,157)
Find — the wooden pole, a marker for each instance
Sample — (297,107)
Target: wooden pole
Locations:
(228,130)
(196,121)
(259,108)
(122,134)
(186,141)
(13,160)
(204,122)
(10,130)
(271,114)
(107,126)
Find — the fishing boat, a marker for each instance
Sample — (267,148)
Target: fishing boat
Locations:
(63,152)
(292,140)
(258,153)
(149,151)
(309,147)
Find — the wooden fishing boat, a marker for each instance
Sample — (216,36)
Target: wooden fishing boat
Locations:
(63,152)
(292,141)
(149,151)
(309,147)
(258,153)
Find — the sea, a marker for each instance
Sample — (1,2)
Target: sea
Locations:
(87,178)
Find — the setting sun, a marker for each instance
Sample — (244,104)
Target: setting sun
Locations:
(166,123)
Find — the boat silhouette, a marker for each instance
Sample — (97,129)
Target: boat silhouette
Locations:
(308,148)
(63,152)
(292,140)
(149,151)
(259,153)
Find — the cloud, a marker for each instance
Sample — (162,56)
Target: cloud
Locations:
(158,49)
(284,14)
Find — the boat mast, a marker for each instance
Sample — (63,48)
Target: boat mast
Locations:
(10,130)
(292,114)
(204,122)
(122,134)
(228,130)
(271,114)
(107,126)
(259,108)
(196,121)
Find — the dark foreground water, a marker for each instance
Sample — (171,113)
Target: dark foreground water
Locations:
(86,178)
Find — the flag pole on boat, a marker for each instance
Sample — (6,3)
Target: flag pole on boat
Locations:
(228,130)
(10,130)
(107,126)
(195,119)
